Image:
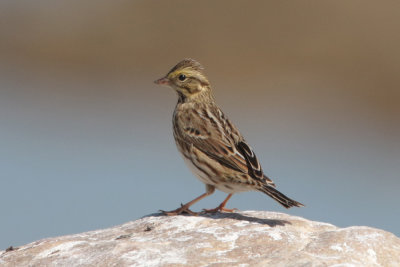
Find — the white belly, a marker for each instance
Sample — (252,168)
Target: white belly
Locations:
(215,181)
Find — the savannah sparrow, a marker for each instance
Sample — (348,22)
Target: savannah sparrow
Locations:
(211,145)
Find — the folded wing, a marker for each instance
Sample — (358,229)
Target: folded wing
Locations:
(217,137)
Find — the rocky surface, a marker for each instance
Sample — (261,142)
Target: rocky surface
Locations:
(250,238)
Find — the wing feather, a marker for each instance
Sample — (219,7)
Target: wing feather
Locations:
(213,134)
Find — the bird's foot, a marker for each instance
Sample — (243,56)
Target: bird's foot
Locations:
(218,209)
(184,209)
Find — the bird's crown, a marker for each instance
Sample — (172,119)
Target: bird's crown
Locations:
(189,64)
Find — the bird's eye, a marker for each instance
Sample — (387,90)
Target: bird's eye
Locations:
(182,77)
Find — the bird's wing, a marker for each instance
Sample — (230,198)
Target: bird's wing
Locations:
(213,134)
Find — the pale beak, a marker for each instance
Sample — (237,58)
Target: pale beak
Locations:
(162,81)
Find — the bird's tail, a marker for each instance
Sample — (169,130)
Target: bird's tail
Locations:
(279,197)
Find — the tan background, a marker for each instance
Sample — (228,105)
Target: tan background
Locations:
(86,138)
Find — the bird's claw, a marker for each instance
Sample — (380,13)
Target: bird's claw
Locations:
(182,210)
(218,209)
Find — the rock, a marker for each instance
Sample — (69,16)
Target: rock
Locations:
(251,238)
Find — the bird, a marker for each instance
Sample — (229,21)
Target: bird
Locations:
(211,145)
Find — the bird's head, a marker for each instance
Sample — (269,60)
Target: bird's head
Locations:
(187,79)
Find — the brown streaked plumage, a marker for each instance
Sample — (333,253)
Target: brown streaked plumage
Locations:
(211,145)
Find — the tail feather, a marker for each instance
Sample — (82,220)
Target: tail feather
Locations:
(280,198)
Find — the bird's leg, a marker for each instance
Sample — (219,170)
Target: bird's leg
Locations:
(185,208)
(221,207)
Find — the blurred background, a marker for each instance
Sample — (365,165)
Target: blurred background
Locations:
(86,137)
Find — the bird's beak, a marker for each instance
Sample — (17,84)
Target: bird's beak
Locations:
(162,81)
